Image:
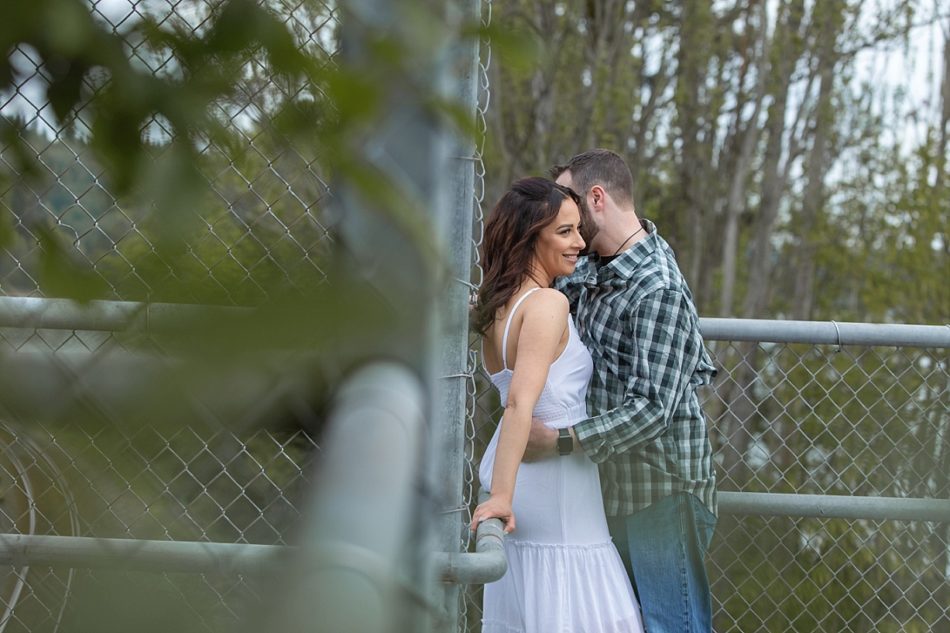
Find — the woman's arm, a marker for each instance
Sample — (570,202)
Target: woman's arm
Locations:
(543,326)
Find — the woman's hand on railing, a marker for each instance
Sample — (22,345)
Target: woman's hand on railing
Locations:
(494,508)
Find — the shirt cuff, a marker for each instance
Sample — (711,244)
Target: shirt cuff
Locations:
(591,442)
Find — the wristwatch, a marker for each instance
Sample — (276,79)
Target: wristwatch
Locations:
(565,443)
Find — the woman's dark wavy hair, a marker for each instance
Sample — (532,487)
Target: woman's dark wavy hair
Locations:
(511,233)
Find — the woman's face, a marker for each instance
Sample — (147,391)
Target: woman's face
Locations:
(560,242)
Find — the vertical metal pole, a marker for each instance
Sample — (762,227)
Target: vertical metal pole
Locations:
(410,146)
(456,236)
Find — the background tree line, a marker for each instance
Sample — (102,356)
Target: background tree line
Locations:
(786,175)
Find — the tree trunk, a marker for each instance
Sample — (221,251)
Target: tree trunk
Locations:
(692,62)
(746,358)
(829,16)
(740,173)
(942,425)
(943,133)
(605,32)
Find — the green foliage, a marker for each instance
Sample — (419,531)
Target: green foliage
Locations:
(517,45)
(65,278)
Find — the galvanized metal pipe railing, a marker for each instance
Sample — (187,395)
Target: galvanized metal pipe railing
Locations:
(834,506)
(139,555)
(34,312)
(348,574)
(825,332)
(486,564)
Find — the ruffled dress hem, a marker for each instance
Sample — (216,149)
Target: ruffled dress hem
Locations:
(630,625)
(561,588)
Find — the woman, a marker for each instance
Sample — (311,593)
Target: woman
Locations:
(564,573)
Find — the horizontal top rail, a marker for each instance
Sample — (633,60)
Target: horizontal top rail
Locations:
(834,506)
(141,555)
(65,314)
(102,316)
(825,332)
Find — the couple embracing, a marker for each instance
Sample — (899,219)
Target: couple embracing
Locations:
(601,467)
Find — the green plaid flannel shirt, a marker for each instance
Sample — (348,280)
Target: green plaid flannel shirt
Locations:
(648,432)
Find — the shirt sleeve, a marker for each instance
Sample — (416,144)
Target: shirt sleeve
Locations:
(571,288)
(661,325)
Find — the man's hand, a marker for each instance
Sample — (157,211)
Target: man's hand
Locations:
(542,442)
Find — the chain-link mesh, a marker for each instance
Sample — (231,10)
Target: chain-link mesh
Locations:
(795,418)
(470,607)
(124,480)
(863,421)
(264,227)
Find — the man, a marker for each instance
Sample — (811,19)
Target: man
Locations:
(648,433)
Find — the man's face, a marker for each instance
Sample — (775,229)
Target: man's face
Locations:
(589,225)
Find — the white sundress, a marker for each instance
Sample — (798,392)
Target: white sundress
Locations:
(564,573)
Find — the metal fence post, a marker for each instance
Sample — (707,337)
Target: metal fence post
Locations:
(412,147)
(455,232)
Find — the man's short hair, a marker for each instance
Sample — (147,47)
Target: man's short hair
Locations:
(599,167)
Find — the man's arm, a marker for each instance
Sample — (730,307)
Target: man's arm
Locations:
(661,326)
(542,441)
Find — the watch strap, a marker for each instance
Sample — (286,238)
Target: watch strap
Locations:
(565,443)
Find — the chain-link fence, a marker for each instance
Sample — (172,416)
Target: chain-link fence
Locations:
(262,223)
(121,423)
(88,469)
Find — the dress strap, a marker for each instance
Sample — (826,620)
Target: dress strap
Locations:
(504,338)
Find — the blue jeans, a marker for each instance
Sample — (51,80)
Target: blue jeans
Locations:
(663,547)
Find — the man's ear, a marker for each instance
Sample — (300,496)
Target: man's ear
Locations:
(598,196)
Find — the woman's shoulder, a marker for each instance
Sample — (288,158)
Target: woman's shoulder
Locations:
(548,301)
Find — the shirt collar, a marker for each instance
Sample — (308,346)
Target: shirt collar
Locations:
(622,267)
